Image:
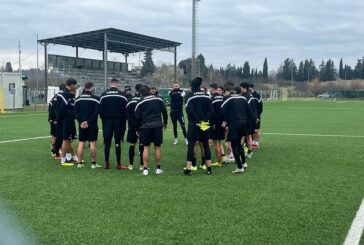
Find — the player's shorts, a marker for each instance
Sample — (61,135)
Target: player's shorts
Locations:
(196,134)
(151,135)
(59,130)
(237,130)
(53,130)
(217,132)
(132,137)
(252,126)
(177,116)
(113,127)
(258,123)
(68,129)
(88,134)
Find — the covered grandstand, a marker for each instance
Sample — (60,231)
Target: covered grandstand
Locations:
(104,40)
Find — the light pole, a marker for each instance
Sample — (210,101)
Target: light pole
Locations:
(292,73)
(193,61)
(37,64)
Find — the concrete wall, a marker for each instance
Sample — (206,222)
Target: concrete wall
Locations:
(12,100)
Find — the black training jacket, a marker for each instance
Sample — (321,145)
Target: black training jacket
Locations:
(217,101)
(253,104)
(259,104)
(235,108)
(148,113)
(113,105)
(65,106)
(87,108)
(198,107)
(130,110)
(176,99)
(52,105)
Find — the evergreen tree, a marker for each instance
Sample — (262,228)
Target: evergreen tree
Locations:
(330,70)
(301,73)
(312,71)
(348,73)
(359,69)
(265,68)
(341,69)
(148,64)
(201,65)
(246,70)
(185,65)
(288,70)
(8,67)
(323,75)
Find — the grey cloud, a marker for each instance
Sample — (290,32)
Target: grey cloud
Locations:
(230,31)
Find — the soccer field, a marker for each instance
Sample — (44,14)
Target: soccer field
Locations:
(303,186)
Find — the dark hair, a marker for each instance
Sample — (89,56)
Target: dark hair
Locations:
(127,88)
(251,85)
(62,86)
(196,83)
(230,83)
(237,90)
(213,85)
(228,87)
(153,88)
(244,85)
(89,85)
(220,87)
(71,81)
(138,86)
(144,90)
(114,80)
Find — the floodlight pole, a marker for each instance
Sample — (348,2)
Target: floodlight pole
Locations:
(37,64)
(105,59)
(193,61)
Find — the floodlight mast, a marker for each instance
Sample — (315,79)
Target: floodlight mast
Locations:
(194,24)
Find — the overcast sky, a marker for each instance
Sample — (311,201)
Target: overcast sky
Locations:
(230,31)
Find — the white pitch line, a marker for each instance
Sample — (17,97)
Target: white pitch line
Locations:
(26,115)
(317,135)
(279,134)
(26,139)
(357,227)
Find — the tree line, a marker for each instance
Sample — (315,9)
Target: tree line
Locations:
(305,70)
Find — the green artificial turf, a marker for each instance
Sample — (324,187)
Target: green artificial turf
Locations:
(298,189)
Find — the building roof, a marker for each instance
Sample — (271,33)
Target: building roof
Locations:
(118,41)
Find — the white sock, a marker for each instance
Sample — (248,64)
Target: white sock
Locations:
(63,160)
(75,158)
(68,156)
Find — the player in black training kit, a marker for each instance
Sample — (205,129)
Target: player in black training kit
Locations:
(132,137)
(217,131)
(86,113)
(149,126)
(236,113)
(56,128)
(259,106)
(51,118)
(177,95)
(199,110)
(252,123)
(113,116)
(66,117)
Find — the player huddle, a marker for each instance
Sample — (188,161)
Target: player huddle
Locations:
(230,114)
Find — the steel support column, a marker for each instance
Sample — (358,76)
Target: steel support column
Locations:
(46,72)
(105,59)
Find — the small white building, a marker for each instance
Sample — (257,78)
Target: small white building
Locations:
(11,87)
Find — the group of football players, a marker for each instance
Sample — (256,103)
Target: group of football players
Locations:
(217,116)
